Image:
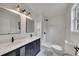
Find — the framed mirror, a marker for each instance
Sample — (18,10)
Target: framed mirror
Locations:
(29,26)
(9,22)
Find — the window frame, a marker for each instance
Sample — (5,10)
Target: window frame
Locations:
(74,18)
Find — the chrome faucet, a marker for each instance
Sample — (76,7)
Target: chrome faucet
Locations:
(12,39)
(31,35)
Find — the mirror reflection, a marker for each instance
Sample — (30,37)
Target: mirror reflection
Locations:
(9,22)
(29,26)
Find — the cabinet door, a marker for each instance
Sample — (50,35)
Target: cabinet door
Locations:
(30,49)
(13,53)
(33,49)
(17,52)
(38,45)
(22,51)
(27,50)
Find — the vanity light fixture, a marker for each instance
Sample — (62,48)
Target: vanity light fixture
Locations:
(23,11)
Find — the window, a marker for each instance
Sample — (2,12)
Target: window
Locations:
(75,18)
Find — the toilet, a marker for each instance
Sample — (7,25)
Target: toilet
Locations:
(50,50)
(45,51)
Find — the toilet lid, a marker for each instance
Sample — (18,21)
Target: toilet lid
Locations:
(57,47)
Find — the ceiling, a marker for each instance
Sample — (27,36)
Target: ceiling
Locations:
(46,9)
(49,9)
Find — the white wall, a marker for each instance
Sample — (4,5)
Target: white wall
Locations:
(56,30)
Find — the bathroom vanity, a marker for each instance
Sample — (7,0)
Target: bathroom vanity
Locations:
(30,48)
(14,23)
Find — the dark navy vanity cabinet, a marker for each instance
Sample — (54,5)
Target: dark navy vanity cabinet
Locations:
(30,49)
(15,52)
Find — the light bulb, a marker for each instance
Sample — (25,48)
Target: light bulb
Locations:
(18,8)
(24,11)
(29,14)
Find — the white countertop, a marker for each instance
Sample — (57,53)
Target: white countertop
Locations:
(7,47)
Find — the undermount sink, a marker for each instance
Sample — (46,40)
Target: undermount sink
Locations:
(9,45)
(14,43)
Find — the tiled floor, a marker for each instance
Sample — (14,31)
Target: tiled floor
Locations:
(49,52)
(46,53)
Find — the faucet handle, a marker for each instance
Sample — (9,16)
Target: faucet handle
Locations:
(31,35)
(12,40)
